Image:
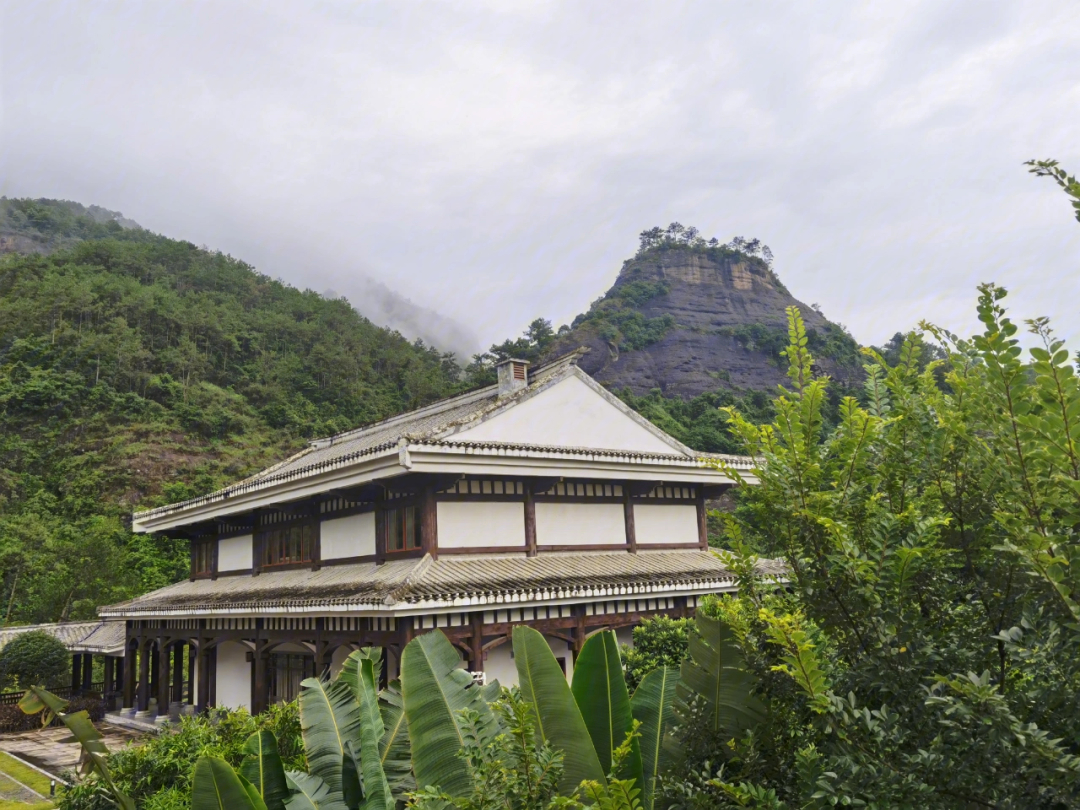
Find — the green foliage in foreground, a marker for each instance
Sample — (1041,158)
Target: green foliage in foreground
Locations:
(157,773)
(34,658)
(141,370)
(927,651)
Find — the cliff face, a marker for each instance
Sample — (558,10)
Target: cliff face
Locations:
(689,321)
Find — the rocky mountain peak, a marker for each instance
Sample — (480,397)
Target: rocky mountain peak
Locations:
(691,318)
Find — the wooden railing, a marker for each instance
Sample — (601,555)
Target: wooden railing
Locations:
(11,698)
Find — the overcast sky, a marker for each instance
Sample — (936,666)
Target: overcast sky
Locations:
(494,161)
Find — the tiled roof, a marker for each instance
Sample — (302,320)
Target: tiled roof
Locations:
(450,581)
(428,422)
(95,636)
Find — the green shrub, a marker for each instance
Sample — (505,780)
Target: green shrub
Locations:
(157,774)
(34,658)
(658,642)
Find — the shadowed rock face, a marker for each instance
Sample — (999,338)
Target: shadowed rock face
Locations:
(708,296)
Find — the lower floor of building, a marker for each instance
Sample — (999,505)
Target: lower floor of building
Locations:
(173,666)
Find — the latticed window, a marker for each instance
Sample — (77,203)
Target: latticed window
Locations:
(203,554)
(289,544)
(402,528)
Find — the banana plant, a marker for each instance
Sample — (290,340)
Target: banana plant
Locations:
(435,692)
(714,673)
(599,688)
(82,731)
(653,707)
(217,786)
(263,769)
(558,720)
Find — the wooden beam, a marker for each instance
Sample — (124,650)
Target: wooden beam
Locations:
(702,521)
(429,522)
(530,520)
(628,519)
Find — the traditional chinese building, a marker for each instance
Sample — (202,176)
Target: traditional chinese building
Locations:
(542,500)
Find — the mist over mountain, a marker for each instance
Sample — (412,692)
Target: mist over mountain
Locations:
(42,226)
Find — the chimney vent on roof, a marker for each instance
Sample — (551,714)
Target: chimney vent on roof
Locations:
(513,376)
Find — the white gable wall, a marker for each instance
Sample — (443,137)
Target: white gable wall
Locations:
(472,524)
(233,686)
(352,536)
(665,523)
(568,414)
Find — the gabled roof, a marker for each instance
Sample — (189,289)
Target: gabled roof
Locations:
(401,586)
(446,424)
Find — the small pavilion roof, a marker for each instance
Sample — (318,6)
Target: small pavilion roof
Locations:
(420,584)
(97,637)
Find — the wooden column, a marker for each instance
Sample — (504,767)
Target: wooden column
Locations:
(190,697)
(130,676)
(145,657)
(178,672)
(429,522)
(315,513)
(380,527)
(212,667)
(530,521)
(203,661)
(320,648)
(162,676)
(628,518)
(258,553)
(76,672)
(702,521)
(260,687)
(476,643)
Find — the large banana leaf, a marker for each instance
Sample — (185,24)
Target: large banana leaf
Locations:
(653,706)
(262,768)
(311,793)
(435,689)
(377,795)
(82,731)
(599,689)
(395,751)
(715,672)
(329,720)
(350,670)
(543,684)
(216,786)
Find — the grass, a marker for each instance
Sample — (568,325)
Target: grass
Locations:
(29,777)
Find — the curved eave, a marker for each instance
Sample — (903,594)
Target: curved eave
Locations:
(443,458)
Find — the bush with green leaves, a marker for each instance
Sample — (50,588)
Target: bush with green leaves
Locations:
(34,658)
(659,641)
(926,650)
(158,771)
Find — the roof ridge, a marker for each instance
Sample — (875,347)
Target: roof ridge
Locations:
(409,580)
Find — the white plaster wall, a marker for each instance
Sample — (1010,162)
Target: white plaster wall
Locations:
(337,660)
(568,414)
(234,553)
(352,536)
(468,524)
(500,665)
(625,635)
(580,524)
(665,523)
(233,687)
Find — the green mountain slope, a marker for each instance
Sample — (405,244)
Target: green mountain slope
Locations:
(137,370)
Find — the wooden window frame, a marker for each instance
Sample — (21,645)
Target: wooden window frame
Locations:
(390,509)
(264,549)
(209,549)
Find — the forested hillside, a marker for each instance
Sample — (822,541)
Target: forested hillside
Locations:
(137,370)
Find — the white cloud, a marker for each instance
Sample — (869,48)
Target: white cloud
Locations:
(494,161)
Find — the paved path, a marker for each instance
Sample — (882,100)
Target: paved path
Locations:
(44,749)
